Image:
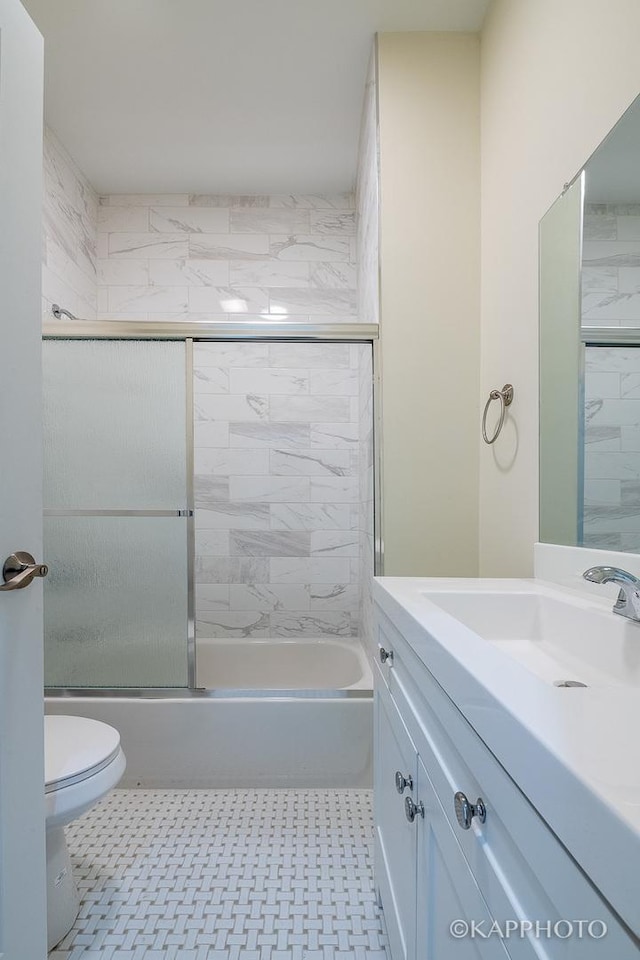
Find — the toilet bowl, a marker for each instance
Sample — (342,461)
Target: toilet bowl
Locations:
(83,762)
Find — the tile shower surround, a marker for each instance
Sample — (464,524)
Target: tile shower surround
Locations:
(612,448)
(611,297)
(69,229)
(277,443)
(192,257)
(611,265)
(213,257)
(367,201)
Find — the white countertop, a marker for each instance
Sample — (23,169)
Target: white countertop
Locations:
(575,752)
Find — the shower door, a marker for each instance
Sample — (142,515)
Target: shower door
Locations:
(117,507)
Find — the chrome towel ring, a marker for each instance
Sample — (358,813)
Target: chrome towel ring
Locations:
(505,396)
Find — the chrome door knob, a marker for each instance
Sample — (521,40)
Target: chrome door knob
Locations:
(386,656)
(413,810)
(20,569)
(403,782)
(465,811)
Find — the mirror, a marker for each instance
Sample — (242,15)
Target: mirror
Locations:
(590,351)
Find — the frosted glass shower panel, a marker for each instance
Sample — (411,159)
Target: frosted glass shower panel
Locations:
(114,424)
(116,602)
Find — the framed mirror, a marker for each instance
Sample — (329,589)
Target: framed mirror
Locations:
(590,351)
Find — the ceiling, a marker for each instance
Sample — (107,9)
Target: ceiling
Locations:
(219,96)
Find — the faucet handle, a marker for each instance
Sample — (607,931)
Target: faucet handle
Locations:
(628,602)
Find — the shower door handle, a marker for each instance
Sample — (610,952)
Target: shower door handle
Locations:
(20,569)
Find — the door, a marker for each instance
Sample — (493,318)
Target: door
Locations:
(117,597)
(22,846)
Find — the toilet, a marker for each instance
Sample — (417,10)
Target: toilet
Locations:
(83,762)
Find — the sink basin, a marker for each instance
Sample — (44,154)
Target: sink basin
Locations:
(556,638)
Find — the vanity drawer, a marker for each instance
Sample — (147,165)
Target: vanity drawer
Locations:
(544,882)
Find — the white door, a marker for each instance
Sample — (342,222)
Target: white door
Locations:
(22,846)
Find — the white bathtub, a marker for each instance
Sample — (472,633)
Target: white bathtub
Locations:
(279,714)
(282,665)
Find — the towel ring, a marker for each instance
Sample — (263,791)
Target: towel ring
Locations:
(505,396)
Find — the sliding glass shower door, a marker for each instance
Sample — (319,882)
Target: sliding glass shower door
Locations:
(117,502)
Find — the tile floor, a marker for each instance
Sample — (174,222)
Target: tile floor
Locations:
(225,874)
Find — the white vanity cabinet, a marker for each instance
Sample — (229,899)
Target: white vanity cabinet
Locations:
(431,871)
(424,881)
(395,836)
(446,889)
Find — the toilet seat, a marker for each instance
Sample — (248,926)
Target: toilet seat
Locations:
(76,748)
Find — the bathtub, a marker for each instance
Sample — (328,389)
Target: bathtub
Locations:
(282,665)
(268,713)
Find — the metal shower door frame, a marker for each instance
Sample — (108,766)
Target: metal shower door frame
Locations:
(190,332)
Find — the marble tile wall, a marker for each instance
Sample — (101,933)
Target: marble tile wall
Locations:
(284,514)
(366,502)
(611,297)
(611,265)
(277,456)
(367,203)
(210,257)
(612,448)
(70,215)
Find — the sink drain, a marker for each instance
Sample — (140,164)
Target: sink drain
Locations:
(568,683)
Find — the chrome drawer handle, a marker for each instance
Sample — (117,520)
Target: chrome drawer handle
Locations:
(412,810)
(403,782)
(20,569)
(386,655)
(465,811)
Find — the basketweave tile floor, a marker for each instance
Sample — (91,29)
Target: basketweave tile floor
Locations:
(225,874)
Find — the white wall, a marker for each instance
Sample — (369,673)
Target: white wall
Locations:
(429,189)
(555,78)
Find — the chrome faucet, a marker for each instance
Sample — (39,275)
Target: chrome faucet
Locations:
(628,602)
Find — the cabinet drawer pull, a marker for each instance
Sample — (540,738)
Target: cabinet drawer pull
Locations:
(465,811)
(412,810)
(403,782)
(386,655)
